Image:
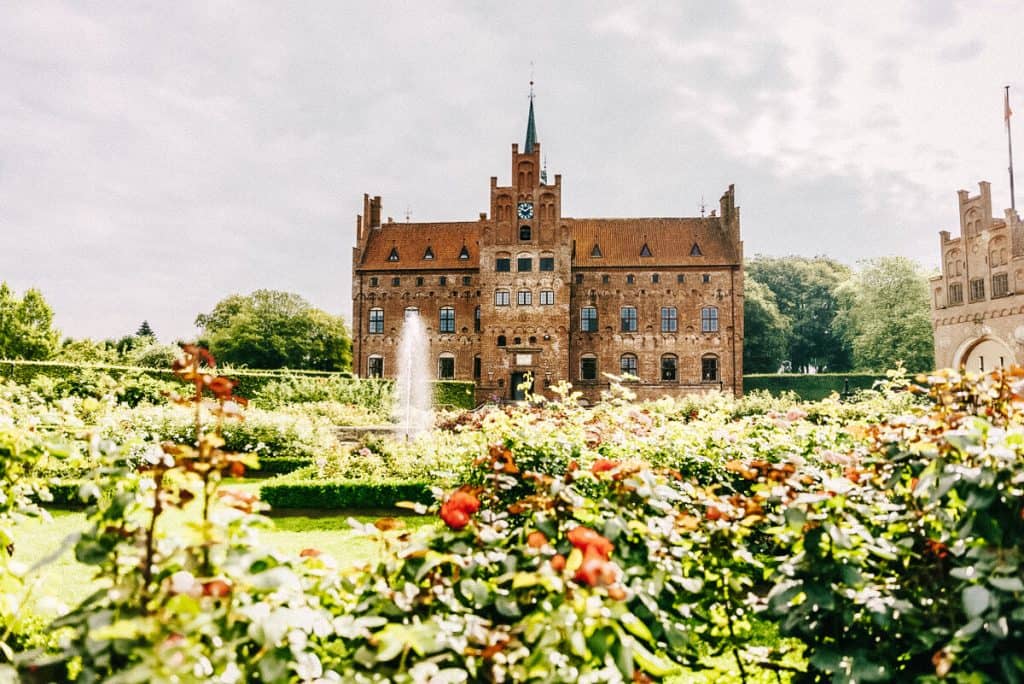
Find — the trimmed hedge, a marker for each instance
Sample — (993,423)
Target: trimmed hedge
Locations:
(278,465)
(810,387)
(447,393)
(328,494)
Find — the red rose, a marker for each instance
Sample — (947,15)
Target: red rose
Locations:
(603,465)
(587,540)
(558,562)
(591,570)
(457,509)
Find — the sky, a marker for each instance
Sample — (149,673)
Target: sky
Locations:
(156,157)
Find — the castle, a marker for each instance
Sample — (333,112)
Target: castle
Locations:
(978,299)
(527,294)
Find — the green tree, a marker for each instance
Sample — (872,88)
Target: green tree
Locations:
(766,331)
(145,331)
(887,316)
(272,329)
(85,350)
(806,291)
(26,326)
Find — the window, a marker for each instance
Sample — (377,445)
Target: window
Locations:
(524,264)
(446,320)
(419,281)
(476,319)
(376,321)
(669,319)
(411,311)
(464,253)
(588,367)
(373,281)
(709,369)
(695,250)
(627,318)
(547,297)
(428,255)
(595,253)
(476,367)
(524,298)
(627,364)
(956,293)
(525,233)
(630,279)
(588,319)
(645,251)
(375,366)
(680,277)
(709,319)
(501,340)
(443,280)
(393,256)
(503,264)
(977,289)
(467,280)
(668,368)
(501,298)
(579,278)
(605,279)
(395,282)
(705,278)
(1000,285)
(547,263)
(655,278)
(446,367)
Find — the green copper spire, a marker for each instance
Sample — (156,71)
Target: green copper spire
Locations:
(531,127)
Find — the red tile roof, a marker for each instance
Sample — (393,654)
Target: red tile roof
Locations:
(670,241)
(411,241)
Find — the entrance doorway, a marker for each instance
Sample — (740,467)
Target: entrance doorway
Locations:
(518,389)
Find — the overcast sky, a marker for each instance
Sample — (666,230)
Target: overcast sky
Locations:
(156,157)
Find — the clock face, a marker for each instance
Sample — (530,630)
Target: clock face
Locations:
(526,210)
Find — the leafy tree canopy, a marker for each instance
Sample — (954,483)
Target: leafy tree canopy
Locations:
(806,292)
(766,331)
(26,326)
(886,315)
(273,329)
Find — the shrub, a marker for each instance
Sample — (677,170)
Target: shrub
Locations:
(335,494)
(810,387)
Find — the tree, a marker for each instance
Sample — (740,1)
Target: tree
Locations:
(145,331)
(272,329)
(766,331)
(26,326)
(806,290)
(887,316)
(85,350)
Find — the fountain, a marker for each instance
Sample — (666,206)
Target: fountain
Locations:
(413,410)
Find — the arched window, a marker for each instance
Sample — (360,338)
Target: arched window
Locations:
(709,368)
(627,364)
(524,263)
(501,298)
(501,340)
(446,319)
(446,366)
(669,368)
(709,319)
(588,367)
(375,366)
(376,321)
(524,298)
(502,262)
(476,320)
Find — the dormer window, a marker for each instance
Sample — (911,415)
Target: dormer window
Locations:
(429,254)
(645,251)
(393,256)
(464,253)
(695,250)
(595,253)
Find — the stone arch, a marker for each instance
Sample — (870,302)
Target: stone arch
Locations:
(984,353)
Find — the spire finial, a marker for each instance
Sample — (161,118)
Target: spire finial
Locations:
(531,126)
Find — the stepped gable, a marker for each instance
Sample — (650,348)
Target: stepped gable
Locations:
(411,240)
(670,241)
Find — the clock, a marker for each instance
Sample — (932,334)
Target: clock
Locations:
(526,210)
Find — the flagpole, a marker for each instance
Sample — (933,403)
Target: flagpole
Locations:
(1009,144)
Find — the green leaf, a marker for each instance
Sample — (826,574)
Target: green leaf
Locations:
(1011,584)
(507,606)
(636,627)
(976,600)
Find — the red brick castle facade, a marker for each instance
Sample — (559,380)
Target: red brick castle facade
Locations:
(526,292)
